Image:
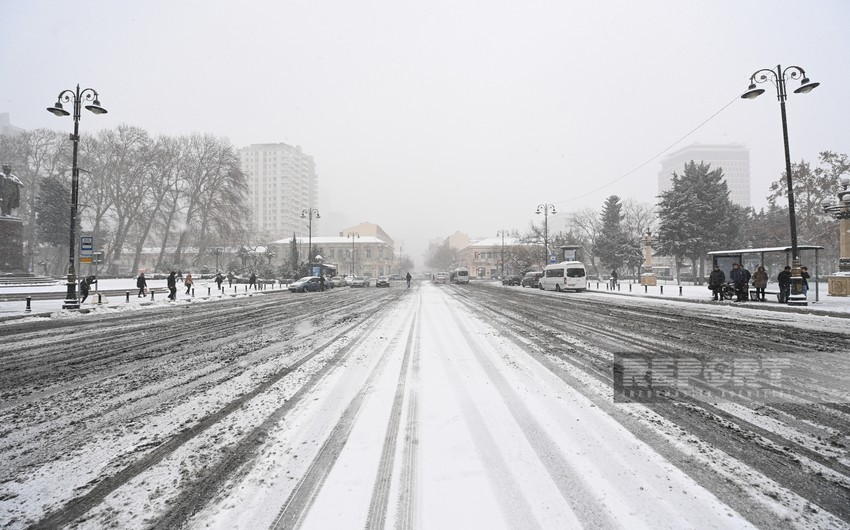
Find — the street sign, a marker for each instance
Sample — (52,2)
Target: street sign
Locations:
(553,259)
(86,249)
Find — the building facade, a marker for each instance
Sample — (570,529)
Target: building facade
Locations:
(733,159)
(484,258)
(282,182)
(6,127)
(362,256)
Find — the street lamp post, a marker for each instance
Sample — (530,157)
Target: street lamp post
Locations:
(352,235)
(778,78)
(544,209)
(217,251)
(503,233)
(77,96)
(309,213)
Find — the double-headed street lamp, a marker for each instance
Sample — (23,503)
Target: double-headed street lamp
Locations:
(778,78)
(352,235)
(309,213)
(544,209)
(503,233)
(77,96)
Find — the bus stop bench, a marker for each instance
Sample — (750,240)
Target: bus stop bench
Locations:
(766,293)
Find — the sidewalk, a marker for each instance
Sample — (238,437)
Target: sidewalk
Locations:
(838,306)
(49,307)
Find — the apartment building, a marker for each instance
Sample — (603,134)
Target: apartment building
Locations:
(282,182)
(733,159)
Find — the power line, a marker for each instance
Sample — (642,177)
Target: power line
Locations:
(618,179)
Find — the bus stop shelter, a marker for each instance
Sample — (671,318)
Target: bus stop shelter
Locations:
(725,258)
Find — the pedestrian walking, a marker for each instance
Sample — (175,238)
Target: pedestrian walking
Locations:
(804,272)
(187,281)
(614,277)
(252,281)
(85,285)
(760,283)
(171,282)
(784,279)
(408,277)
(219,279)
(322,283)
(230,277)
(142,284)
(715,282)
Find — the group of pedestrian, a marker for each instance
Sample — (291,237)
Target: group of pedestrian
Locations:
(740,278)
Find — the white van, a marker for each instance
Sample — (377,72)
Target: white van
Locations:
(459,275)
(567,275)
(441,277)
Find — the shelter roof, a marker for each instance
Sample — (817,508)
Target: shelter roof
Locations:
(765,250)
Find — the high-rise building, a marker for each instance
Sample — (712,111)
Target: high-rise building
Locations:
(6,127)
(282,182)
(733,159)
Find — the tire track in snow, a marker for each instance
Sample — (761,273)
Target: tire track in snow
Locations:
(298,504)
(183,507)
(376,518)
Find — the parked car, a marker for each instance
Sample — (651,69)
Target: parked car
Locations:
(337,281)
(305,284)
(531,279)
(360,281)
(513,279)
(348,279)
(382,281)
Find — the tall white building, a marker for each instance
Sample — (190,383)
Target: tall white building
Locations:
(733,159)
(282,182)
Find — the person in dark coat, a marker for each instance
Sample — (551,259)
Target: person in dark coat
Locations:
(252,281)
(141,283)
(219,279)
(741,278)
(85,284)
(804,272)
(614,277)
(408,278)
(230,277)
(784,279)
(322,283)
(715,282)
(172,286)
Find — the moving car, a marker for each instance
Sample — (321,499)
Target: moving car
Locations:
(360,281)
(306,284)
(441,277)
(513,279)
(531,279)
(337,281)
(382,281)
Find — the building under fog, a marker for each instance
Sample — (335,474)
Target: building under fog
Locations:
(733,159)
(282,182)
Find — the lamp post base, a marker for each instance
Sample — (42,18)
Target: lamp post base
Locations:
(71,300)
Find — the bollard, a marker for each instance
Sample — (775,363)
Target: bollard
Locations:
(99,299)
(680,290)
(246,287)
(234,289)
(127,294)
(597,285)
(29,302)
(645,288)
(152,291)
(662,289)
(618,287)
(630,287)
(193,292)
(208,291)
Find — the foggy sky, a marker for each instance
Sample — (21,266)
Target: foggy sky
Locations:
(439,116)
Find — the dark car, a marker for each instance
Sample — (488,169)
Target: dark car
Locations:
(531,279)
(513,279)
(306,284)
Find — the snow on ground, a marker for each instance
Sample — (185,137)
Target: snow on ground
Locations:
(837,305)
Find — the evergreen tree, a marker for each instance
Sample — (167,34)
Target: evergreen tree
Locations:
(696,216)
(614,248)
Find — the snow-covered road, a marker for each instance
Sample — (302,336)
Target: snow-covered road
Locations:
(434,407)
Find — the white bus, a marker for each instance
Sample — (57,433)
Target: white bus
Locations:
(459,275)
(567,275)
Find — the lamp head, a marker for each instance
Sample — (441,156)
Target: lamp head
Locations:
(806,86)
(58,110)
(752,92)
(95,107)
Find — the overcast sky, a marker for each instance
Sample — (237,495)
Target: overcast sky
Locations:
(438,116)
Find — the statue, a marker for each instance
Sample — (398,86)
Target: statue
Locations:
(10,191)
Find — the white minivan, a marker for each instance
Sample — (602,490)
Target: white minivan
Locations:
(564,276)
